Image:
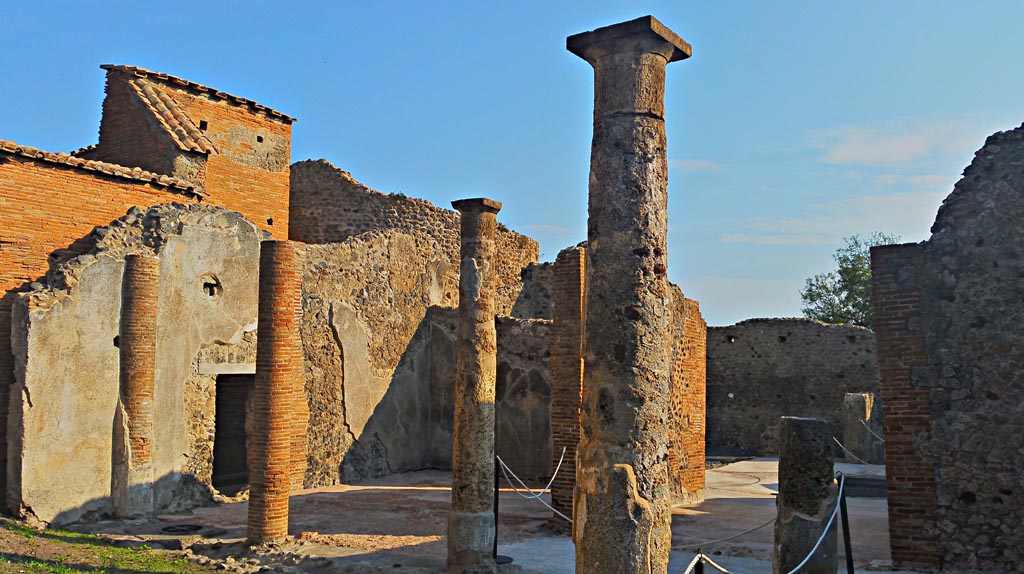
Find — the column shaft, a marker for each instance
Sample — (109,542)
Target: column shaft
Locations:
(278,392)
(133,469)
(471,520)
(622,508)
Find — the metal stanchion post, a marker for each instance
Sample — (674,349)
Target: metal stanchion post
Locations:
(844,516)
(498,559)
(698,568)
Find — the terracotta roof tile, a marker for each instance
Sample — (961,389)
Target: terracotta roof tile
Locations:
(180,82)
(174,121)
(83,150)
(134,173)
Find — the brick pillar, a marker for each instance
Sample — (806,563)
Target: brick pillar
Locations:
(471,518)
(909,476)
(133,466)
(278,395)
(622,504)
(689,392)
(566,377)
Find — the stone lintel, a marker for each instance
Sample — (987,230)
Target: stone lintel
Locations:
(481,204)
(627,36)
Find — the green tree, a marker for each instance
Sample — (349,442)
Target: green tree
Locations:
(844,295)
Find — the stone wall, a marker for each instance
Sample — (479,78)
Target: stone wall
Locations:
(762,369)
(952,349)
(69,326)
(328,205)
(378,331)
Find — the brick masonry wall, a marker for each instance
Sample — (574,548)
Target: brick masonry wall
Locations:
(910,477)
(278,392)
(762,369)
(687,399)
(38,225)
(566,375)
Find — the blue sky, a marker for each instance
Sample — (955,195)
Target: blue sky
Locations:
(793,125)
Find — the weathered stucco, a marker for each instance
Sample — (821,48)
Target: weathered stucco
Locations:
(67,362)
(763,369)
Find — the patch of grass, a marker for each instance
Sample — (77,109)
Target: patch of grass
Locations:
(22,530)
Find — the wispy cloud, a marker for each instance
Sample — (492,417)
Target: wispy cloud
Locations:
(544,228)
(900,141)
(696,165)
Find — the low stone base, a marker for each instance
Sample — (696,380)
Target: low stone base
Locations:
(471,543)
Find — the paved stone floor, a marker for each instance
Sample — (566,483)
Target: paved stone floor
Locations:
(397,524)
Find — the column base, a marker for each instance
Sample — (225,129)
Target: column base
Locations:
(471,543)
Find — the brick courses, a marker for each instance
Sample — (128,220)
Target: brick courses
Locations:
(139,296)
(910,476)
(279,391)
(566,376)
(687,404)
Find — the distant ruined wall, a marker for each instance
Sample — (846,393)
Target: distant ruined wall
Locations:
(762,369)
(949,317)
(328,206)
(68,327)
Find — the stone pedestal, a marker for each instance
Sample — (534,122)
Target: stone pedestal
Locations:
(471,519)
(862,428)
(278,394)
(133,444)
(622,513)
(807,497)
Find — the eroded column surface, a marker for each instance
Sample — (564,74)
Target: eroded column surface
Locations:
(278,391)
(133,466)
(622,507)
(807,497)
(471,519)
(862,428)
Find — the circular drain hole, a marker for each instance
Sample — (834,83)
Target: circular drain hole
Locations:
(181,528)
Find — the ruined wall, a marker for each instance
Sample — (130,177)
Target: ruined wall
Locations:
(953,348)
(38,226)
(67,327)
(687,396)
(329,205)
(763,369)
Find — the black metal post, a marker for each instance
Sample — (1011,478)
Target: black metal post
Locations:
(844,515)
(698,568)
(497,487)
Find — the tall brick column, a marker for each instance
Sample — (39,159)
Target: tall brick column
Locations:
(622,508)
(279,390)
(133,466)
(566,377)
(909,476)
(471,519)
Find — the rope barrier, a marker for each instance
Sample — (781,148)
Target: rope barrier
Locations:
(828,525)
(850,454)
(505,470)
(701,557)
(726,539)
(871,431)
(713,565)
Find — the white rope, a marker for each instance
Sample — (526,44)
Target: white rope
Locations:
(693,563)
(726,539)
(712,563)
(828,525)
(871,431)
(850,454)
(505,470)
(701,556)
(550,482)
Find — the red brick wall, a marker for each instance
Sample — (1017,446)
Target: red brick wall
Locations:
(566,376)
(689,391)
(279,393)
(137,343)
(44,208)
(910,477)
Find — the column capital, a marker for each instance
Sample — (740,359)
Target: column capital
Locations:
(644,34)
(481,204)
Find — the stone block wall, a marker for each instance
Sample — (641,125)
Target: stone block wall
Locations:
(954,350)
(762,369)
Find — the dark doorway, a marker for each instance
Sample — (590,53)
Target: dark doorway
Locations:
(230,460)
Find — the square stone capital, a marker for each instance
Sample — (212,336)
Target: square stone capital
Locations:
(643,34)
(477,205)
